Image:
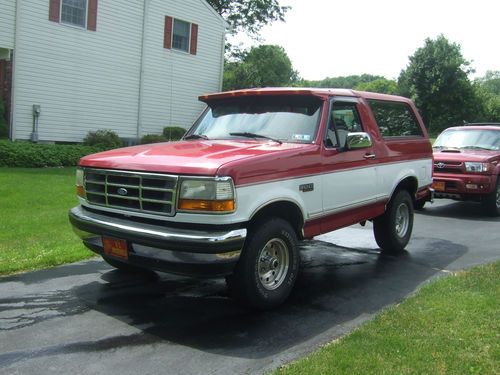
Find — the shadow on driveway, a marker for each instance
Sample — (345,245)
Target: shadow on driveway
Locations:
(338,288)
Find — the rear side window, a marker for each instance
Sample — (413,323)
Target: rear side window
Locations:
(395,119)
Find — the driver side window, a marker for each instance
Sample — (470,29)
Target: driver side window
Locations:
(344,119)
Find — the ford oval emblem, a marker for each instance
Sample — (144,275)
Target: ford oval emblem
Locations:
(122,191)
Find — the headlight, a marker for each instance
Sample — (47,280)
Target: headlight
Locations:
(477,167)
(209,195)
(80,190)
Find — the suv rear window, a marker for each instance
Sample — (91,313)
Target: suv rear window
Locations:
(395,119)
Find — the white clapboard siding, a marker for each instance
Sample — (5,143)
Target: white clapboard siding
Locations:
(83,80)
(173,79)
(7,23)
(89,80)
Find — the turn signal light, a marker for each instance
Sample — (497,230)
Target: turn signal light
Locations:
(206,205)
(80,191)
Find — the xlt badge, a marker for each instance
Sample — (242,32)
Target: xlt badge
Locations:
(306,187)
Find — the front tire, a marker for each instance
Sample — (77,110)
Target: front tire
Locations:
(393,229)
(268,266)
(492,201)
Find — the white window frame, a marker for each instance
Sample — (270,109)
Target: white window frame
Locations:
(86,14)
(189,35)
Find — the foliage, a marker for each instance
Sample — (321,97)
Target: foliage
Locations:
(30,155)
(4,130)
(262,66)
(34,228)
(249,16)
(103,139)
(449,327)
(437,80)
(380,85)
(348,82)
(173,133)
(152,138)
(488,90)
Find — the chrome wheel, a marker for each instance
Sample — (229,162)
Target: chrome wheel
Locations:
(402,219)
(273,263)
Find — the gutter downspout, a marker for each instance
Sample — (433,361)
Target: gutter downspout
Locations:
(13,71)
(141,71)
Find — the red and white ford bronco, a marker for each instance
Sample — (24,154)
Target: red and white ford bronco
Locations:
(259,170)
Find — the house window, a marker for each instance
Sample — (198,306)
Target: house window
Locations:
(73,12)
(180,35)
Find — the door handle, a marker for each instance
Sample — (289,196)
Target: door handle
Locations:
(369,156)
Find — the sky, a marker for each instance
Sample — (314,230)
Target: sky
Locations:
(331,38)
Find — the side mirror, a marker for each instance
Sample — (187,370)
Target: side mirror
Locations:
(356,141)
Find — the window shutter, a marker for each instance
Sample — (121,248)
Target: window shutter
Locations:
(167,37)
(194,39)
(54,10)
(92,16)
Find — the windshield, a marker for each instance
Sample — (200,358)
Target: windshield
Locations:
(283,119)
(469,139)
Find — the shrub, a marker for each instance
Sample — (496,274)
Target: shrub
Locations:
(173,133)
(30,155)
(152,138)
(103,139)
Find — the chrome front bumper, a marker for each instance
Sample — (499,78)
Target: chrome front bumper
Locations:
(163,248)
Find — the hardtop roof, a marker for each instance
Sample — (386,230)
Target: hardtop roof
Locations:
(319,92)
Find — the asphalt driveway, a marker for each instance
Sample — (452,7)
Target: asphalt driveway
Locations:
(86,318)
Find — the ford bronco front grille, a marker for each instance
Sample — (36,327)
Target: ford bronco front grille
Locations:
(131,191)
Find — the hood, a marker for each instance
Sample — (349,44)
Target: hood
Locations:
(198,157)
(466,155)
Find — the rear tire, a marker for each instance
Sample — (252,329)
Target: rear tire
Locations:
(268,266)
(393,229)
(124,267)
(492,201)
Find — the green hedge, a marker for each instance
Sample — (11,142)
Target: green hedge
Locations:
(29,155)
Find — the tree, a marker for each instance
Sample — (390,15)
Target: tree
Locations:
(380,85)
(437,80)
(488,91)
(262,66)
(249,16)
(347,82)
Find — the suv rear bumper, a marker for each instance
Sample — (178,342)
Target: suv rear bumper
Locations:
(159,247)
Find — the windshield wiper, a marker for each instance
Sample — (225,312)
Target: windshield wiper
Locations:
(255,135)
(196,136)
(475,148)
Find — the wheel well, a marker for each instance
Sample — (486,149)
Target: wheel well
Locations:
(409,184)
(285,210)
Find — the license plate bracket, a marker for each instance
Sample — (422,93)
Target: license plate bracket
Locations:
(115,247)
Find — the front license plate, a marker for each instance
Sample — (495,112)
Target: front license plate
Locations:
(115,247)
(438,185)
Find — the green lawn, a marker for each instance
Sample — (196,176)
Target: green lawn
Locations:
(34,228)
(452,326)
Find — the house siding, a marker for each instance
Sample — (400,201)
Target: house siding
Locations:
(89,80)
(7,23)
(173,79)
